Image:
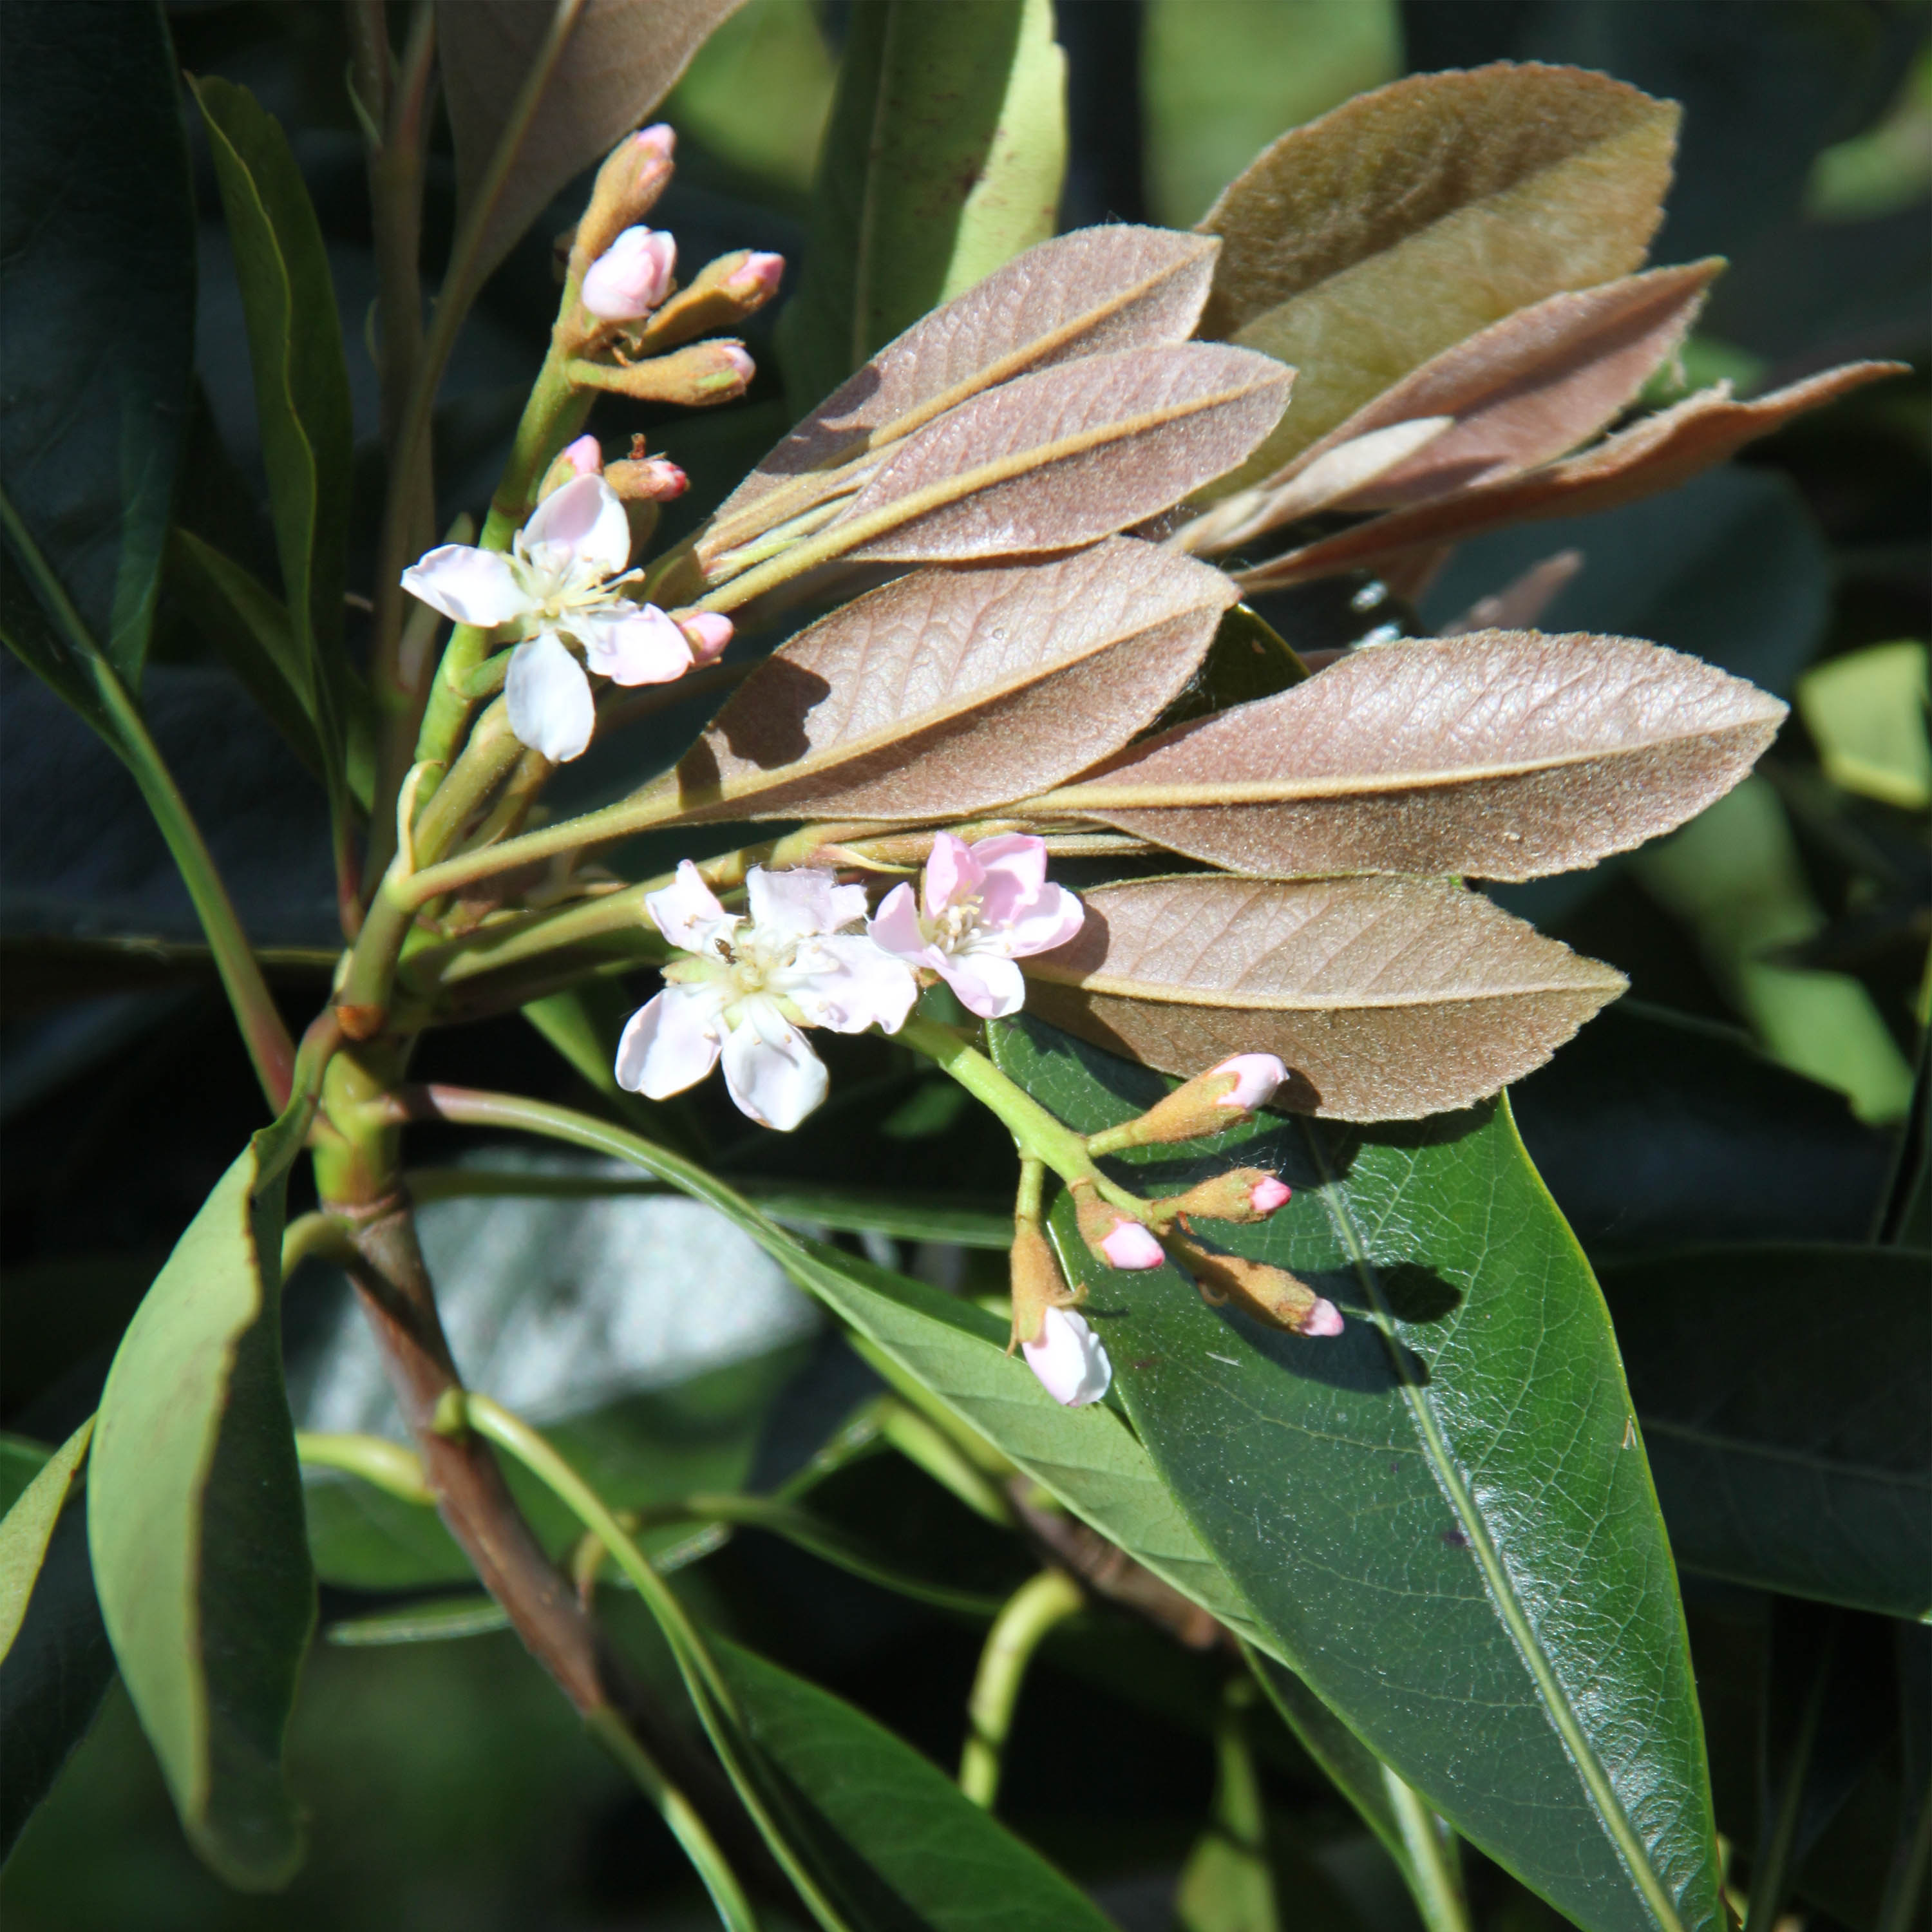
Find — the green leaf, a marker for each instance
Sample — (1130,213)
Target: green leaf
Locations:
(888,1836)
(758,93)
(943,159)
(1866,712)
(301,388)
(1248,660)
(55,1662)
(1440,1518)
(1785,1394)
(97,229)
(195,1522)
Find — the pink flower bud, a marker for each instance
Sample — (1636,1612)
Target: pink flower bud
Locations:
(1131,1246)
(707,632)
(631,277)
(1267,1194)
(1256,1076)
(732,356)
(757,279)
(1324,1318)
(584,456)
(647,479)
(658,140)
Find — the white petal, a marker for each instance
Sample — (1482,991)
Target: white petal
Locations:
(549,697)
(1012,872)
(1068,1359)
(670,1043)
(987,984)
(895,927)
(1051,920)
(586,519)
(686,911)
(951,871)
(470,586)
(771,1070)
(848,984)
(801,902)
(632,644)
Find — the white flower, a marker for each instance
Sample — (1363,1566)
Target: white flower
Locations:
(631,276)
(748,984)
(1068,1359)
(560,580)
(986,905)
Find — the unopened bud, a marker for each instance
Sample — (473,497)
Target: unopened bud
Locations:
(1110,1236)
(1243,1194)
(1038,1284)
(581,458)
(720,295)
(1269,1294)
(707,632)
(631,277)
(696,377)
(627,188)
(1210,1103)
(649,479)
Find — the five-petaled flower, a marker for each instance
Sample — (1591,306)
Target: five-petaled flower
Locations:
(983,906)
(748,983)
(562,579)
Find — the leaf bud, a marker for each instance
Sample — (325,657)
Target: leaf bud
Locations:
(1242,1194)
(1223,1097)
(1037,1282)
(1110,1236)
(627,185)
(1269,1294)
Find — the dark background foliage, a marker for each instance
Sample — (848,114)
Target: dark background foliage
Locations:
(447,1784)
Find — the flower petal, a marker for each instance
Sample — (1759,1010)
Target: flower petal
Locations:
(1068,1359)
(951,872)
(549,698)
(847,984)
(671,1042)
(801,902)
(987,984)
(686,911)
(895,927)
(585,519)
(468,585)
(1051,920)
(632,644)
(1013,870)
(771,1070)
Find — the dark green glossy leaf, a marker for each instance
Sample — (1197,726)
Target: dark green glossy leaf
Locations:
(96,229)
(1786,1394)
(887,1835)
(1248,659)
(301,387)
(942,159)
(1440,1516)
(195,1522)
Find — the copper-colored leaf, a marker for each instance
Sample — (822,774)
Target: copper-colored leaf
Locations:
(1500,755)
(1519,604)
(1387,998)
(1657,454)
(1363,243)
(1069,454)
(953,690)
(1524,390)
(622,58)
(1096,290)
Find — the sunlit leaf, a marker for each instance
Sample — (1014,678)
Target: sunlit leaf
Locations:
(951,690)
(942,158)
(28,1524)
(1360,245)
(1387,998)
(195,1523)
(1497,755)
(619,59)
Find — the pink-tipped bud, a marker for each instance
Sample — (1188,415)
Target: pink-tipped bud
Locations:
(1242,1194)
(636,172)
(1256,1077)
(1266,1293)
(1109,1235)
(647,479)
(707,632)
(581,458)
(732,355)
(631,277)
(658,141)
(1324,1318)
(1268,1193)
(1131,1246)
(755,280)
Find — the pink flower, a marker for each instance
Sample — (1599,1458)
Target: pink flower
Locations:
(985,905)
(1068,1359)
(631,276)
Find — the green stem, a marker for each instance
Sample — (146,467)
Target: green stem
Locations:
(1770,1872)
(318,1236)
(1030,1612)
(387,1465)
(926,1446)
(1434,1881)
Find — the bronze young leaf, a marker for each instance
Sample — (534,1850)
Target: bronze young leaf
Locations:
(1361,244)
(1657,454)
(1097,290)
(950,691)
(1387,998)
(1500,755)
